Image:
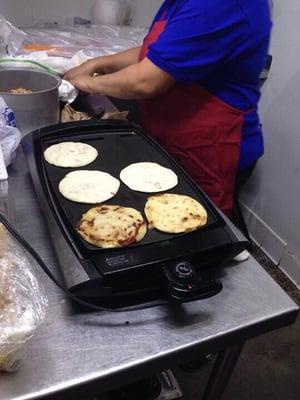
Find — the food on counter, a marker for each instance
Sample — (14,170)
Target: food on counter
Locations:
(110,226)
(115,115)
(4,237)
(4,285)
(22,302)
(68,114)
(174,213)
(19,90)
(148,177)
(5,300)
(89,186)
(70,154)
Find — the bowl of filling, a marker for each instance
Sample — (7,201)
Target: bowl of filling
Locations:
(33,96)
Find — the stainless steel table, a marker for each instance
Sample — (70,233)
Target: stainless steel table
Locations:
(76,353)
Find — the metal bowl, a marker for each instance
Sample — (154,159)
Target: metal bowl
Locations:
(33,110)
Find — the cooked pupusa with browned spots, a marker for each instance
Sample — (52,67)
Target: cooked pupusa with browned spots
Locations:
(110,226)
(174,213)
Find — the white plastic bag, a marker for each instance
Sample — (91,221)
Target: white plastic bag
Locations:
(22,302)
(11,38)
(10,137)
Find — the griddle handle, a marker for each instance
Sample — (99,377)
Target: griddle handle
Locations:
(185,285)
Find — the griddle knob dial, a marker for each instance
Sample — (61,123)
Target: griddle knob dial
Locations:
(184,271)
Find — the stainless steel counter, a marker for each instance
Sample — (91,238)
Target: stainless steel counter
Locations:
(83,351)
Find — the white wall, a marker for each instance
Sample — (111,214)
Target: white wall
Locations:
(272,198)
(16,11)
(144,10)
(26,13)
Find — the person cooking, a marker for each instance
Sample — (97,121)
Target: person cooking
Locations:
(197,78)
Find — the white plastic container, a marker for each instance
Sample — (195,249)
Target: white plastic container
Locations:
(110,12)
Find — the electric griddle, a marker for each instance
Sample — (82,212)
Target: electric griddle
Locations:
(180,267)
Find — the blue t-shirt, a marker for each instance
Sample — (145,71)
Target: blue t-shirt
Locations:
(221,45)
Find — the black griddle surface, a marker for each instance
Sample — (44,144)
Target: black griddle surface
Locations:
(116,151)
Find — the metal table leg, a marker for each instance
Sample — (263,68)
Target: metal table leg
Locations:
(222,371)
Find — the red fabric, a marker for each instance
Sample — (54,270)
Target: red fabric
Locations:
(152,37)
(199,130)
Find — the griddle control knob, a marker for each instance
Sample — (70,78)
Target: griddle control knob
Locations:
(184,271)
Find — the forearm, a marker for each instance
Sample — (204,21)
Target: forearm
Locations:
(127,84)
(139,81)
(121,84)
(116,62)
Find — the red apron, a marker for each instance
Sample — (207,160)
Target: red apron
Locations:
(199,130)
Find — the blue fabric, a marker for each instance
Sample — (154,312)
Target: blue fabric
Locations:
(221,45)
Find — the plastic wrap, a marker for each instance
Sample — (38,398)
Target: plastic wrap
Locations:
(22,302)
(11,38)
(40,60)
(37,60)
(97,40)
(60,48)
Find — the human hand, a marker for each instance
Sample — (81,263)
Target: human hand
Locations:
(85,83)
(87,68)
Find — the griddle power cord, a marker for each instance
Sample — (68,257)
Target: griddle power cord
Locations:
(76,299)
